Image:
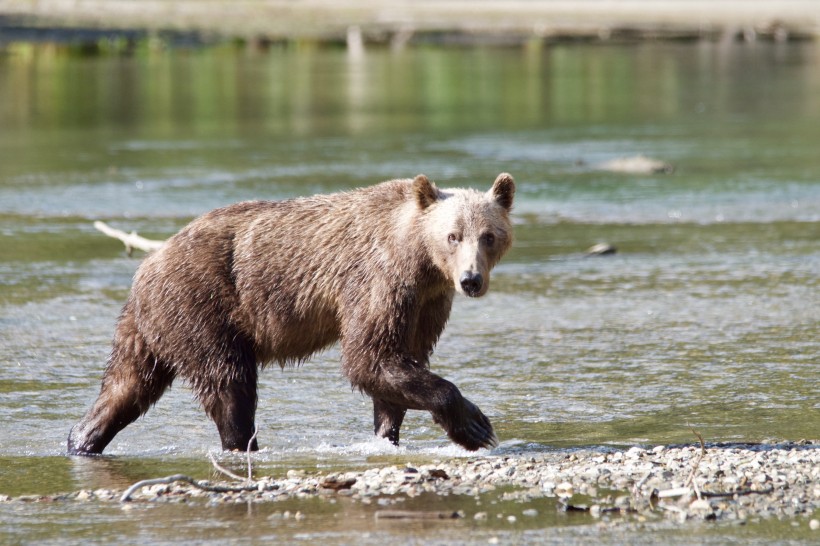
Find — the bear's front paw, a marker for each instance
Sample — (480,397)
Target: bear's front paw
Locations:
(474,431)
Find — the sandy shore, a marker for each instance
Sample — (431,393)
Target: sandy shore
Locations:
(445,20)
(723,482)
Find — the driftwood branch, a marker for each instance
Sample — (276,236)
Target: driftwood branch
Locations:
(684,491)
(248,451)
(130,240)
(702,453)
(250,485)
(187,479)
(737,493)
(223,469)
(230,474)
(691,486)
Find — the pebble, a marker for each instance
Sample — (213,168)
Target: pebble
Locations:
(84,495)
(754,481)
(564,489)
(700,505)
(634,452)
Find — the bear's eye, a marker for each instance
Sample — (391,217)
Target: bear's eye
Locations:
(452,238)
(488,239)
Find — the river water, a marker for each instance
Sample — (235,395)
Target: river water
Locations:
(707,317)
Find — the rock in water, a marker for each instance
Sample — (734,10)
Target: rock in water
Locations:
(601,249)
(638,164)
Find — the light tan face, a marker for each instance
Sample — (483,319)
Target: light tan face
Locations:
(469,232)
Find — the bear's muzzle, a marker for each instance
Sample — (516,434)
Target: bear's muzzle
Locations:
(471,283)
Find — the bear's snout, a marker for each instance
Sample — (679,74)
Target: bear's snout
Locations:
(471,283)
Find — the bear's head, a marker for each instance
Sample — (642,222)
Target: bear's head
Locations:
(466,231)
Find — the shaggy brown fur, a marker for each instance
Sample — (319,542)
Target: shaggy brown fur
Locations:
(256,282)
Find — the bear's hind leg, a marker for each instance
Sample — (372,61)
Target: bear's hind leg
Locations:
(133,381)
(387,419)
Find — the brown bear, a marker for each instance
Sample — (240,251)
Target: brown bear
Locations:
(258,282)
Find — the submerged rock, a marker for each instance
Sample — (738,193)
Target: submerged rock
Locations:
(601,249)
(638,164)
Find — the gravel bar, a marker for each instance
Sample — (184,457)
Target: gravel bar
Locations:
(725,482)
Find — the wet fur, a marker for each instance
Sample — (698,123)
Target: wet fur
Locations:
(260,282)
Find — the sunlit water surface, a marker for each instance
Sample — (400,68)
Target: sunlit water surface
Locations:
(708,316)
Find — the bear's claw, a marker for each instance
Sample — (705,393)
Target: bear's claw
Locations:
(477,431)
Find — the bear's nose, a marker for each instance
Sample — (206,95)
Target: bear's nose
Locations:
(471,283)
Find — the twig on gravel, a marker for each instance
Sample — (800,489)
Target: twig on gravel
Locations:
(187,479)
(224,470)
(676,492)
(250,485)
(635,492)
(739,493)
(697,462)
(230,474)
(248,451)
(643,480)
(690,486)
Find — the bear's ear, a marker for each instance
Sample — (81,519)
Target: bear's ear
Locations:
(425,191)
(503,190)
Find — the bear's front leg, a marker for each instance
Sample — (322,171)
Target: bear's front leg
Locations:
(403,383)
(387,419)
(232,406)
(463,422)
(467,426)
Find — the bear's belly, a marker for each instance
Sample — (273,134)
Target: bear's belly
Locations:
(294,341)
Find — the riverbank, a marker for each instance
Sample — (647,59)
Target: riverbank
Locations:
(731,483)
(449,21)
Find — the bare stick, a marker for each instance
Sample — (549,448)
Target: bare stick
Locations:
(739,493)
(130,240)
(635,492)
(250,468)
(224,470)
(682,491)
(676,492)
(187,479)
(643,480)
(697,462)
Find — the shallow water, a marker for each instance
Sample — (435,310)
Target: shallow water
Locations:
(709,315)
